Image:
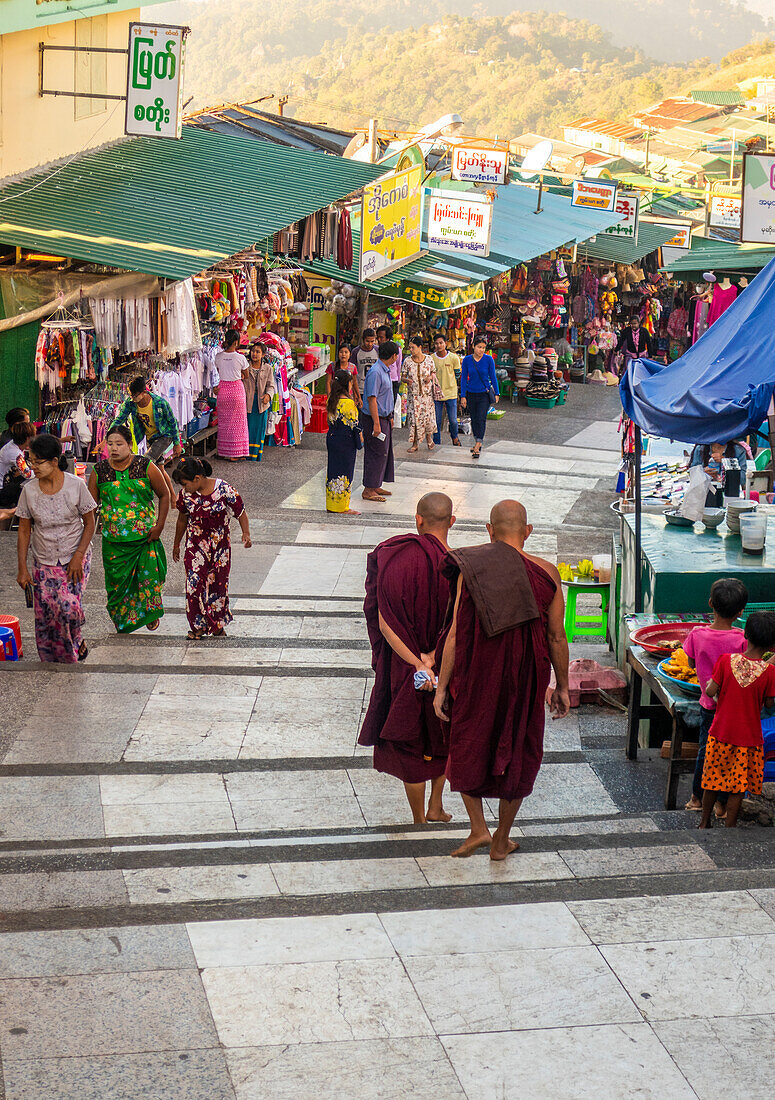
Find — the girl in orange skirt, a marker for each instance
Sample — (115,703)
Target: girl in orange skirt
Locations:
(742,683)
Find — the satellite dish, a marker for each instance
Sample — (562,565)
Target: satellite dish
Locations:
(536,160)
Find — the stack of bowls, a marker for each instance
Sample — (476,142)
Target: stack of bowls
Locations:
(736,508)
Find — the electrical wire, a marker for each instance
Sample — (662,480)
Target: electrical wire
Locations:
(67,163)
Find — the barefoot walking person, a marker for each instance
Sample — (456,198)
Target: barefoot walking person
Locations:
(377,425)
(405,606)
(205,506)
(420,374)
(343,441)
(506,631)
(56,511)
(124,485)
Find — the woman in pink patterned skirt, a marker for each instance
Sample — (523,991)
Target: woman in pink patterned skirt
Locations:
(232,367)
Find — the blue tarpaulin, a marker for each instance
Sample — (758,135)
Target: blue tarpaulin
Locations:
(722,387)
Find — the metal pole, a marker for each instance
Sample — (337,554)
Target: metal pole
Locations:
(638,523)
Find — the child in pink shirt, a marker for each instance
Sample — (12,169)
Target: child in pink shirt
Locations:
(703,646)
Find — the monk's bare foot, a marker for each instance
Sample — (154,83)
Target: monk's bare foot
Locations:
(438,815)
(468,847)
(499,850)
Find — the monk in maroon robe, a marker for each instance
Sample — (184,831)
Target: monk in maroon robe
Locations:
(507,632)
(406,603)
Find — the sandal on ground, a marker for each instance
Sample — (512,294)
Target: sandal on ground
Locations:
(475,454)
(374,496)
(153,626)
(219,633)
(456,443)
(83,651)
(431,446)
(193,636)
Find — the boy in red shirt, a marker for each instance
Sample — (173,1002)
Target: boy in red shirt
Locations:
(703,646)
(742,683)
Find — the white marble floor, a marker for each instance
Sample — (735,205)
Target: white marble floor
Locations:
(541,1000)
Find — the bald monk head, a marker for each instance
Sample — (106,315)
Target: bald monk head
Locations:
(508,523)
(434,516)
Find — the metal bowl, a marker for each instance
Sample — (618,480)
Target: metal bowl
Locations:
(674,518)
(713,517)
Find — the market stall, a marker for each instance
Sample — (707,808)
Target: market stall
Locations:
(720,390)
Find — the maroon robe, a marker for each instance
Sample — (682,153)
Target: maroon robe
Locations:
(405,583)
(499,679)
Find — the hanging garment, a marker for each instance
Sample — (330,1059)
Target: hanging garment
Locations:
(344,252)
(722,300)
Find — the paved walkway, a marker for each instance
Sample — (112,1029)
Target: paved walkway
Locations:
(208,893)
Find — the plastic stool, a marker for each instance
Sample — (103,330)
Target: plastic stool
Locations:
(12,622)
(8,650)
(586,626)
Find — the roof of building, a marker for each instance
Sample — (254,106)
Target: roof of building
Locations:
(173,208)
(724,97)
(671,112)
(620,250)
(620,130)
(248,120)
(710,255)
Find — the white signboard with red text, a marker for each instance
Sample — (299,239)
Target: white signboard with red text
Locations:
(478,165)
(458,222)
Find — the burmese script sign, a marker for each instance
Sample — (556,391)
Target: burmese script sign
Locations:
(459,223)
(154,91)
(390,223)
(595,195)
(477,165)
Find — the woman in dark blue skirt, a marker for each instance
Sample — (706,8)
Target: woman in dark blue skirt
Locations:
(343,441)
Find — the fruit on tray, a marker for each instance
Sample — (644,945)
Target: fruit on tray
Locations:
(678,667)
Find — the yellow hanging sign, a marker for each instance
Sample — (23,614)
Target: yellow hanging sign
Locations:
(391,217)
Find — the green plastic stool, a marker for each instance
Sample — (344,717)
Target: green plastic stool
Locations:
(586,626)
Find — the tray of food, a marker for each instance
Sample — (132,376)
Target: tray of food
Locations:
(662,638)
(678,671)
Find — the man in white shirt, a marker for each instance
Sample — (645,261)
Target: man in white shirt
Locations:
(446,364)
(365,355)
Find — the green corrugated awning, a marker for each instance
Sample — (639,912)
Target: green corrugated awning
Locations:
(173,208)
(708,255)
(618,250)
(725,97)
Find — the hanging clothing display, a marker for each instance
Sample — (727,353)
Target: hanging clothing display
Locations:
(723,297)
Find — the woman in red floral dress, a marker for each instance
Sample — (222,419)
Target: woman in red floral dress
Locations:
(206,504)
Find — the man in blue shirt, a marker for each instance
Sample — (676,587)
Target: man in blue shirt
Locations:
(377,425)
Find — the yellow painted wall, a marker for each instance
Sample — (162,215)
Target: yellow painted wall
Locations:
(36,130)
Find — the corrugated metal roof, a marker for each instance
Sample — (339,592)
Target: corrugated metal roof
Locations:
(724,97)
(172,208)
(708,255)
(617,250)
(601,126)
(671,205)
(670,112)
(248,120)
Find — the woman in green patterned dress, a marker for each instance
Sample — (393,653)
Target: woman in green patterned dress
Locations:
(124,485)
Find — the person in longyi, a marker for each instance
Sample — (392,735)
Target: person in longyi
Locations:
(405,606)
(507,632)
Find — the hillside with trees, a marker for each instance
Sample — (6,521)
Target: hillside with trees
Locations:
(237,45)
(342,61)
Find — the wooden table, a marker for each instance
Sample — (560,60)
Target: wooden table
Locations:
(666,702)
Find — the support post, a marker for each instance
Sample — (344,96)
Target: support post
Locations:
(638,523)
